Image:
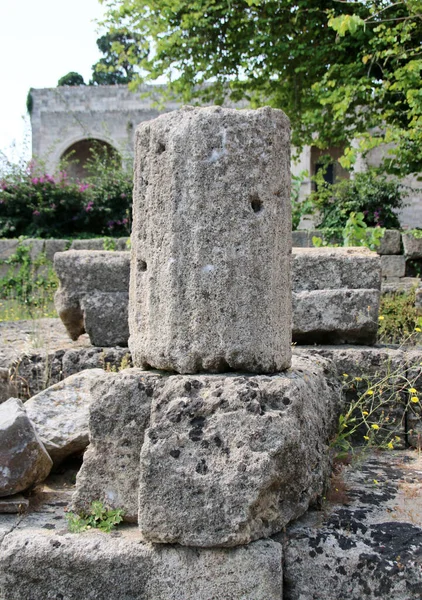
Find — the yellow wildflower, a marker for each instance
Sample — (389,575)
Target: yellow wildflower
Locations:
(414,399)
(345,375)
(365,413)
(375,426)
(390,445)
(370,392)
(418,329)
(366,437)
(413,391)
(397,438)
(380,318)
(376,481)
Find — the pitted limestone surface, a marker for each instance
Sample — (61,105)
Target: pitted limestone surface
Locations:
(211,242)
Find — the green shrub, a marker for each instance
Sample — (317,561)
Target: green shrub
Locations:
(369,193)
(36,204)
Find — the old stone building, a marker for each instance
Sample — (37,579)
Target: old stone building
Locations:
(68,121)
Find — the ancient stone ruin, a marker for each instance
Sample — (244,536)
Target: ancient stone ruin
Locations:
(217,438)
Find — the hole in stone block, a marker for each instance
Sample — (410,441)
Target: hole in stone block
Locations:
(142,265)
(160,148)
(286,401)
(256,203)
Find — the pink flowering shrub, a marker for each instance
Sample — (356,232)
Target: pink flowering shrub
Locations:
(37,204)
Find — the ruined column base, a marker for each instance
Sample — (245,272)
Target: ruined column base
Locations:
(225,459)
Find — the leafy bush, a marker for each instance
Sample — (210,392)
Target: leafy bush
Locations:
(369,193)
(36,204)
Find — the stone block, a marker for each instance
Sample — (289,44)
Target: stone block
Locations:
(335,268)
(13,504)
(53,246)
(60,414)
(335,316)
(300,239)
(211,241)
(35,246)
(122,244)
(105,317)
(119,416)
(393,265)
(23,458)
(336,295)
(390,242)
(92,244)
(367,541)
(124,567)
(7,248)
(230,459)
(93,295)
(412,246)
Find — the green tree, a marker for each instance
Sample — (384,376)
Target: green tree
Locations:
(71,78)
(122,51)
(341,70)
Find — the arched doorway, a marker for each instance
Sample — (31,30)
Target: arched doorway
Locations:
(79,154)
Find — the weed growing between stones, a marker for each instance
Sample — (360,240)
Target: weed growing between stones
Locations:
(27,287)
(398,321)
(98,517)
(384,412)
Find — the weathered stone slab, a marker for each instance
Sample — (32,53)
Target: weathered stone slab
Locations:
(335,268)
(92,244)
(119,416)
(211,240)
(13,504)
(106,318)
(93,294)
(367,543)
(335,316)
(53,246)
(393,265)
(60,414)
(336,294)
(412,246)
(109,567)
(229,459)
(23,459)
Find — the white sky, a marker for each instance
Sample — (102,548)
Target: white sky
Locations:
(40,41)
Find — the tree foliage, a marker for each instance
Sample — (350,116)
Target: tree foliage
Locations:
(122,51)
(71,78)
(340,70)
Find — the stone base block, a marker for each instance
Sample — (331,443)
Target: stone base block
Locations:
(225,459)
(336,316)
(230,459)
(38,564)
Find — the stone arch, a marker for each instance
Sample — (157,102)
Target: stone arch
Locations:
(78,153)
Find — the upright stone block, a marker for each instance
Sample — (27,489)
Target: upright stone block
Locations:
(211,242)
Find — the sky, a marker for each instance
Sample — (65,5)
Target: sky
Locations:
(40,41)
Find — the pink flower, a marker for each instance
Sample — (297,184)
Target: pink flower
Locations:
(34,180)
(83,187)
(36,213)
(89,206)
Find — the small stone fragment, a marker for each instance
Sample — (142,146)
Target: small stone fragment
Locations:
(24,460)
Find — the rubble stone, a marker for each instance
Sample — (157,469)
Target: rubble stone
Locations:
(393,265)
(23,459)
(60,414)
(118,418)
